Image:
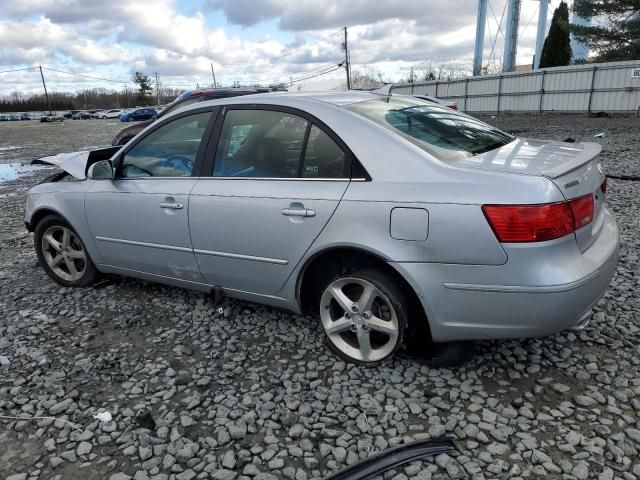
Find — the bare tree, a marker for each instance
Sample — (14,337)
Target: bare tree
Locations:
(366,77)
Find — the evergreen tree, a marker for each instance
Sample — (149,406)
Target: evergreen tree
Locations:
(144,86)
(616,33)
(556,51)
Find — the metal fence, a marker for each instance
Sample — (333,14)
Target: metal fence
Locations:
(596,87)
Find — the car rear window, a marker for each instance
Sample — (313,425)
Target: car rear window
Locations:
(444,133)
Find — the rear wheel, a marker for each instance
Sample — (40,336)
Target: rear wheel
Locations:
(363,314)
(62,254)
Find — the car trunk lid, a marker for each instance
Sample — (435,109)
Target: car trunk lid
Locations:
(575,168)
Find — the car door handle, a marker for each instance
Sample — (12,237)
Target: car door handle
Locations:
(298,212)
(175,206)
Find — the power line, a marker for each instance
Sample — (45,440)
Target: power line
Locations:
(19,70)
(86,76)
(317,74)
(304,76)
(499,31)
(527,25)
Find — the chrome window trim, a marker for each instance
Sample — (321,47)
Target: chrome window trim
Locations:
(281,179)
(248,178)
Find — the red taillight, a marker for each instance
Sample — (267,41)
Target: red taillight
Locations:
(603,186)
(582,210)
(537,223)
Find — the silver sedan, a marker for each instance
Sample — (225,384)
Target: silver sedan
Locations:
(393,221)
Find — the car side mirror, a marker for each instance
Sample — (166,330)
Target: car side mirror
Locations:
(102,170)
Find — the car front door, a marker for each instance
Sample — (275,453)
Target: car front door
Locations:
(276,180)
(140,219)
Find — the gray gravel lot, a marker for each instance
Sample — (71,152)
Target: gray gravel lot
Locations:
(252,393)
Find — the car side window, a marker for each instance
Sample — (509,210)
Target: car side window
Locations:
(323,158)
(260,143)
(169,151)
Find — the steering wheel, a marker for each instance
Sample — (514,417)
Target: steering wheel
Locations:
(187,163)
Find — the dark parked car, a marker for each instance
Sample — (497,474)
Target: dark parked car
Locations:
(4,118)
(145,113)
(186,98)
(81,116)
(13,118)
(71,113)
(25,116)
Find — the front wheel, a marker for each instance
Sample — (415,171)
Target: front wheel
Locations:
(62,254)
(364,316)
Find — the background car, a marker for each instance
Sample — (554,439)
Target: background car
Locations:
(392,220)
(96,113)
(113,113)
(13,117)
(447,103)
(184,99)
(81,115)
(25,116)
(4,118)
(51,117)
(139,114)
(71,113)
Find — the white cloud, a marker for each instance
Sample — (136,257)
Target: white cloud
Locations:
(116,37)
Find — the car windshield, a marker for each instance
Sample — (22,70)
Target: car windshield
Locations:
(444,133)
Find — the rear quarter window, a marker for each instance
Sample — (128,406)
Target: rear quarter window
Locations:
(446,134)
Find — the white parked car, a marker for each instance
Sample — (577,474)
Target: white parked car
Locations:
(114,113)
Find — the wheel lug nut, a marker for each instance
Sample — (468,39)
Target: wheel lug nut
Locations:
(354,308)
(365,315)
(347,315)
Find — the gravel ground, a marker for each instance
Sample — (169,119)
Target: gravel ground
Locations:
(252,393)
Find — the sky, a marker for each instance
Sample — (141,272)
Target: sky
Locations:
(247,41)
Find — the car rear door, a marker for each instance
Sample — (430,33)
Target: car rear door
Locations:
(140,219)
(271,186)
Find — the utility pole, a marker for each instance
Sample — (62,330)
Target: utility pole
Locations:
(511,36)
(157,89)
(347,62)
(480,24)
(214,76)
(45,89)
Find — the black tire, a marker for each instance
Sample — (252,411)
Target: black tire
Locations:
(386,284)
(89,273)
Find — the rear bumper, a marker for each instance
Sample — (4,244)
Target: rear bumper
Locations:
(541,290)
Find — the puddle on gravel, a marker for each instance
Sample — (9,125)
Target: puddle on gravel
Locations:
(13,171)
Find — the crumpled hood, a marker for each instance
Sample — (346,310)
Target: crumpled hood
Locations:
(74,163)
(77,163)
(533,157)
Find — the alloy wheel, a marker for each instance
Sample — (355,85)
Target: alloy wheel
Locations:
(359,320)
(64,253)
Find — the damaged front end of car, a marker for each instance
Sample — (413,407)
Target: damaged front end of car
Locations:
(74,165)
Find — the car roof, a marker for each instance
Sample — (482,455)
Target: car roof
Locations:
(287,98)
